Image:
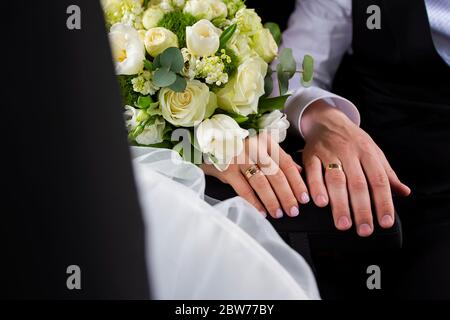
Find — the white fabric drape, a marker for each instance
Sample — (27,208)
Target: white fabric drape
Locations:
(200,250)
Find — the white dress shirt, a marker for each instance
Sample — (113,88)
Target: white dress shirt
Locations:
(323,29)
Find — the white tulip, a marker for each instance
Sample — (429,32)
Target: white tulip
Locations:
(241,94)
(127,49)
(221,139)
(276,124)
(159,39)
(187,108)
(202,38)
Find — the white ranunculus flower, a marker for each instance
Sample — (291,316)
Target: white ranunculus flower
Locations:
(276,124)
(127,49)
(151,17)
(202,38)
(152,133)
(206,9)
(241,94)
(159,39)
(189,107)
(221,139)
(264,44)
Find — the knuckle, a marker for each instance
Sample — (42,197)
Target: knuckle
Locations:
(386,206)
(336,177)
(358,184)
(380,181)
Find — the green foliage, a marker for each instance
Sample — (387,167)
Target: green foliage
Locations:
(149,65)
(231,67)
(268,82)
(168,66)
(144,102)
(285,69)
(177,21)
(270,104)
(172,59)
(308,70)
(274,30)
(226,35)
(129,97)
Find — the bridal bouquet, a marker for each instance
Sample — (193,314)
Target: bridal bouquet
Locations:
(198,70)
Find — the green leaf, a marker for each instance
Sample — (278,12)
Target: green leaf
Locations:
(270,104)
(308,70)
(283,80)
(287,61)
(149,65)
(172,59)
(226,35)
(239,118)
(268,85)
(164,78)
(157,62)
(179,85)
(144,102)
(274,30)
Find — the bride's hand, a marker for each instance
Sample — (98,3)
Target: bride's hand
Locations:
(276,186)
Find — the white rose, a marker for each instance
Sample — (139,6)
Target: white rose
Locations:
(152,133)
(276,124)
(248,21)
(221,139)
(264,44)
(127,49)
(159,39)
(206,9)
(239,44)
(151,17)
(241,94)
(189,107)
(202,38)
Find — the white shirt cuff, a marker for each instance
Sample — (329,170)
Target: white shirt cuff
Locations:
(304,97)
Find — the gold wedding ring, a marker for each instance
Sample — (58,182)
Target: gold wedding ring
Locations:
(250,172)
(333,166)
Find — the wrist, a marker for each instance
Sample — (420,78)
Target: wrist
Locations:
(320,113)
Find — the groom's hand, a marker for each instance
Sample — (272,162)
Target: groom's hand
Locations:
(355,169)
(266,176)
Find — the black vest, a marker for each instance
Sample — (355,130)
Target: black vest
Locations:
(401,87)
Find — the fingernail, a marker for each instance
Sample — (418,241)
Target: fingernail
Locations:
(321,200)
(304,198)
(343,222)
(279,213)
(387,221)
(294,212)
(364,230)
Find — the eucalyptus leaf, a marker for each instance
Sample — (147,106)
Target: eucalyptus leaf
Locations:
(179,85)
(270,104)
(308,70)
(268,85)
(283,80)
(226,35)
(172,59)
(274,30)
(287,62)
(164,78)
(157,62)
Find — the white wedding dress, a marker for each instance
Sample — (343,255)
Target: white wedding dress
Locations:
(201,250)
